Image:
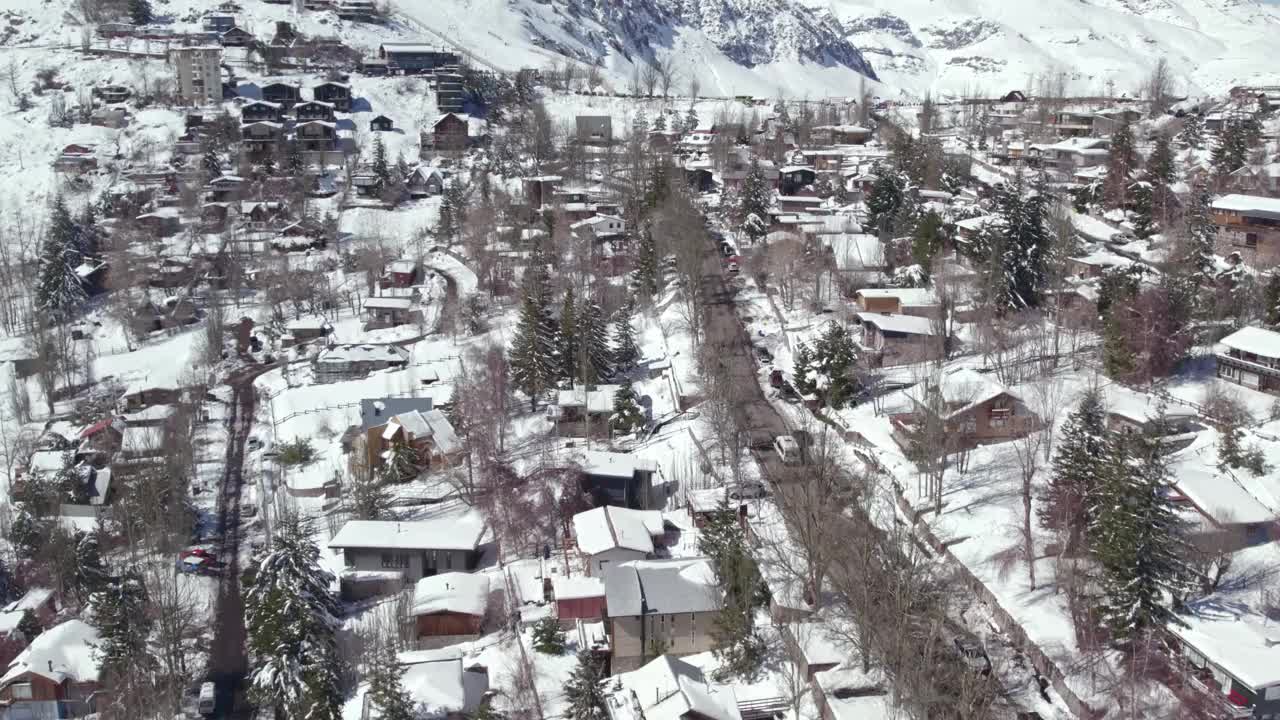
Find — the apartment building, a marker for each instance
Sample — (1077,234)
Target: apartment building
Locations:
(199,74)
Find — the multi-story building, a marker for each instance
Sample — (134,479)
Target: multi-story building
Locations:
(199,74)
(1248,226)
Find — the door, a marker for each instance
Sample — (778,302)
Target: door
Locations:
(1249,379)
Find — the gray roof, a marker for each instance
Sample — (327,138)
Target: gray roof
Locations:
(640,587)
(376,411)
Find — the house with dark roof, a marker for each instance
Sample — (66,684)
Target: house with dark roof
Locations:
(669,604)
(335,93)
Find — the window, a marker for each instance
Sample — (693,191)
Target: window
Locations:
(999,421)
(1273,693)
(448,561)
(22,691)
(1251,240)
(693,630)
(397,561)
(968,425)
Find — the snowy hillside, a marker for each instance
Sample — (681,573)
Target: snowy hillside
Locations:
(998,45)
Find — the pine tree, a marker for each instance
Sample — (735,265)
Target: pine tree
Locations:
(447,220)
(1192,135)
(1199,260)
(212,163)
(1077,471)
(754,199)
(584,692)
(29,626)
(884,199)
(660,122)
(1118,359)
(534,366)
(402,465)
(691,120)
(647,263)
(379,166)
(140,12)
(826,369)
(59,290)
(290,617)
(547,638)
(626,353)
(1139,541)
(91,573)
(640,126)
(368,496)
(1271,299)
(802,369)
(294,162)
(1162,174)
(736,644)
(928,238)
(386,687)
(121,616)
(1022,245)
(627,415)
(1231,151)
(569,351)
(593,341)
(1121,162)
(1143,209)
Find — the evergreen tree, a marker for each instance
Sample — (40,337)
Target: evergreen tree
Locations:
(584,692)
(1139,541)
(691,120)
(1121,162)
(593,340)
(627,415)
(8,586)
(1078,465)
(368,497)
(1199,261)
(290,617)
(140,12)
(379,166)
(647,263)
(534,365)
(640,126)
(827,369)
(626,352)
(294,162)
(1271,299)
(402,464)
(928,239)
(660,122)
(29,626)
(121,616)
(1231,151)
(386,687)
(59,289)
(885,198)
(447,227)
(1022,249)
(1162,174)
(1192,135)
(547,638)
(90,574)
(568,351)
(737,645)
(1118,359)
(1143,209)
(212,163)
(28,534)
(755,198)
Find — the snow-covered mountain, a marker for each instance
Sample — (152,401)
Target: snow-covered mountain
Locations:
(954,46)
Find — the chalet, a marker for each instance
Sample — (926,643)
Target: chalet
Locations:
(309,110)
(413,58)
(401,273)
(355,9)
(1250,357)
(972,407)
(796,178)
(115,118)
(350,362)
(111,94)
(594,129)
(235,37)
(1231,649)
(40,602)
(100,441)
(449,133)
(599,228)
(424,182)
(336,94)
(539,189)
(161,222)
(381,123)
(56,676)
(411,550)
(841,134)
(439,680)
(894,339)
(610,535)
(577,597)
(317,135)
(583,406)
(671,689)
(415,422)
(450,607)
(671,604)
(1130,412)
(920,302)
(218,22)
(701,180)
(305,329)
(367,184)
(1070,155)
(1248,226)
(1096,264)
(76,158)
(1072,123)
(1263,179)
(261,137)
(823,161)
(619,479)
(283,94)
(381,312)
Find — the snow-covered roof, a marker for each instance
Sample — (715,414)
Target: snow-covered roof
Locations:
(63,652)
(453,532)
(608,528)
(375,412)
(1255,340)
(1235,637)
(452,592)
(668,688)
(961,390)
(1141,407)
(365,353)
(851,694)
(153,414)
(387,303)
(427,424)
(439,685)
(402,267)
(640,587)
(897,323)
(576,587)
(611,464)
(1249,204)
(976,224)
(46,462)
(393,47)
(596,400)
(907,297)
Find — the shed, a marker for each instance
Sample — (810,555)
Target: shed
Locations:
(450,604)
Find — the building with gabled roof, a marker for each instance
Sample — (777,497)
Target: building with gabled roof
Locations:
(610,535)
(57,675)
(973,407)
(667,688)
(660,603)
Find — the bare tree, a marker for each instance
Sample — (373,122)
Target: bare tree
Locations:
(1159,87)
(649,78)
(668,75)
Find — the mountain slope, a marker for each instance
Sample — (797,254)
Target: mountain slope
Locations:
(759,47)
(994,46)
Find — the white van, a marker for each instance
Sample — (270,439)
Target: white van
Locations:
(788,449)
(208,702)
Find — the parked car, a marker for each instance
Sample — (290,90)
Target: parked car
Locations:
(776,380)
(208,699)
(748,491)
(763,353)
(788,449)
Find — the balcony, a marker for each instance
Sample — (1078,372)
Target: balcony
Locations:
(1249,365)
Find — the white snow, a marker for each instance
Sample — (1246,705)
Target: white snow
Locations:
(447,532)
(452,592)
(606,528)
(64,652)
(1249,204)
(1254,340)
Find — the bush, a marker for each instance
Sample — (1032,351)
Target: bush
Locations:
(298,452)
